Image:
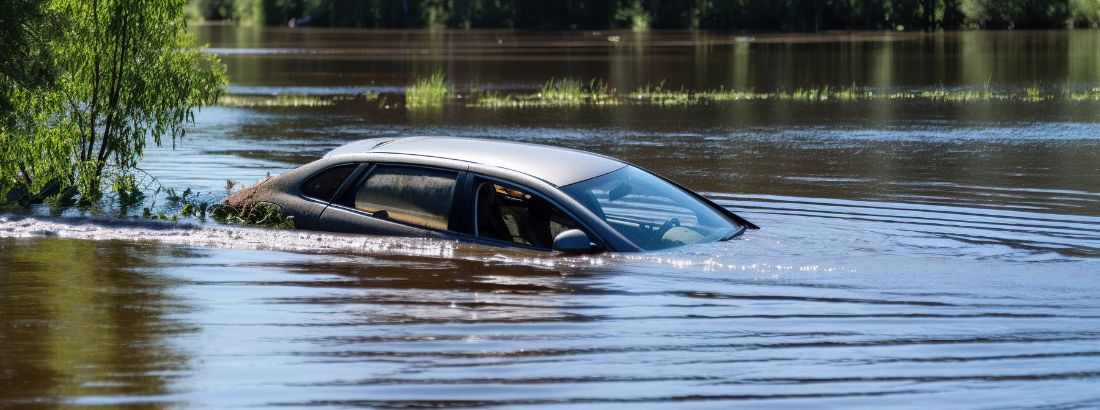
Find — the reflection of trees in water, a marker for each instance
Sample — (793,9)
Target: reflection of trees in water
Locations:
(84,318)
(514,287)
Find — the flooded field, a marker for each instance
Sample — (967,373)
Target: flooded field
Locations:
(914,252)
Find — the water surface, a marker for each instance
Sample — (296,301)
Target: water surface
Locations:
(913,253)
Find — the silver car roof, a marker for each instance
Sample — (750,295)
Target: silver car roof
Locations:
(558,166)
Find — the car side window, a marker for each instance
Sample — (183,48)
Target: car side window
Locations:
(412,195)
(324,185)
(514,215)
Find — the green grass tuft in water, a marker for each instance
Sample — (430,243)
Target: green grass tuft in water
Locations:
(827,93)
(280,100)
(1034,94)
(1092,94)
(433,92)
(572,92)
(722,94)
(429,92)
(554,93)
(658,95)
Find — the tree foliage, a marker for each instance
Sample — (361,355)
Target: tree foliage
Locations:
(127,73)
(27,62)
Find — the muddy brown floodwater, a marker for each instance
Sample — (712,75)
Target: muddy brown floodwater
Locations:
(914,252)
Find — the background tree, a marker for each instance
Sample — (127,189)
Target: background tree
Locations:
(26,60)
(27,74)
(128,73)
(800,15)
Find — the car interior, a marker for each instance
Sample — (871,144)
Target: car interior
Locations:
(412,195)
(509,214)
(642,211)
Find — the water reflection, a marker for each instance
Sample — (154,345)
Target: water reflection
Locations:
(84,320)
(695,60)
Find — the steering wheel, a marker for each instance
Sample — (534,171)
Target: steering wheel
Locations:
(665,227)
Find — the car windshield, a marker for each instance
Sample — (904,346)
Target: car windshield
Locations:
(649,211)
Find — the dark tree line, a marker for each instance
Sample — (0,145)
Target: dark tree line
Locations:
(787,15)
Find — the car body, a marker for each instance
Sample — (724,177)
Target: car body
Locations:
(495,193)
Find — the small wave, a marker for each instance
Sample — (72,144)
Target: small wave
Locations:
(219,236)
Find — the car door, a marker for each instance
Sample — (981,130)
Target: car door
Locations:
(316,192)
(503,213)
(397,200)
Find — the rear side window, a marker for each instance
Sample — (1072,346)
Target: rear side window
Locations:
(324,185)
(417,196)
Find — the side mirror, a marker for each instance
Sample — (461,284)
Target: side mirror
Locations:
(573,241)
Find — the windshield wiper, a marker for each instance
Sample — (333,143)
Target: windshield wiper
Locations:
(735,234)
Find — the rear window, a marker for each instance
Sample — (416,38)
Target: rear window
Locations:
(324,185)
(417,196)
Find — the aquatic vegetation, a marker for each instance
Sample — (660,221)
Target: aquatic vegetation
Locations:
(278,100)
(427,92)
(573,93)
(658,95)
(127,192)
(186,204)
(1033,94)
(1092,94)
(943,94)
(722,94)
(243,207)
(493,99)
(851,93)
(22,195)
(553,93)
(259,214)
(565,92)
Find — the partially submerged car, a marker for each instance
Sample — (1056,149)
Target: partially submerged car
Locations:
(493,192)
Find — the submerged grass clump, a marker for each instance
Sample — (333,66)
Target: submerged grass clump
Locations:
(826,93)
(957,95)
(1034,94)
(722,94)
(494,99)
(433,92)
(429,92)
(658,95)
(1092,94)
(246,207)
(279,100)
(567,91)
(556,93)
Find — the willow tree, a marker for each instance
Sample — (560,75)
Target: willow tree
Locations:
(27,76)
(129,73)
